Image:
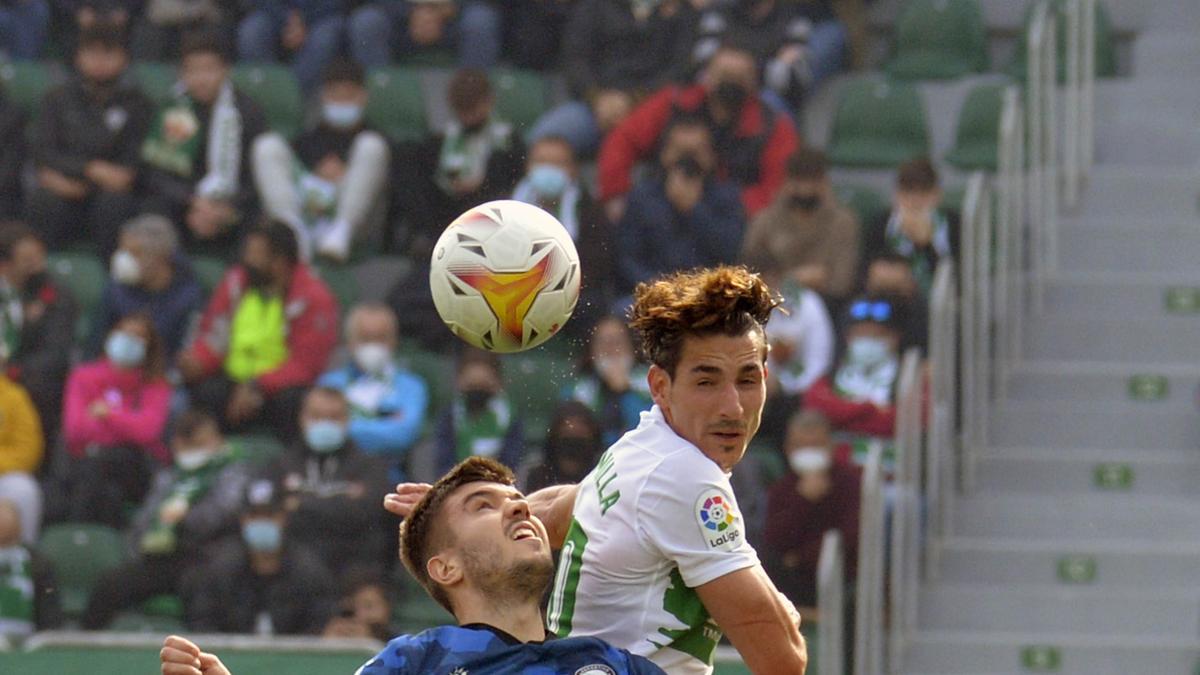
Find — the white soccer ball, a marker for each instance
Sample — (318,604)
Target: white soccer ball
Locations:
(505,276)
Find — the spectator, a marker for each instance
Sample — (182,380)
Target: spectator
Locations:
(115,413)
(37,322)
(860,396)
(86,14)
(23,28)
(197,153)
(388,403)
(573,446)
(802,344)
(533,32)
(26,581)
(614,52)
(21,449)
(682,215)
(152,276)
(13,149)
(821,493)
(475,158)
(365,608)
(611,383)
(480,421)
(157,33)
(333,179)
(309,32)
(552,182)
(86,138)
(752,142)
(892,275)
(266,335)
(916,228)
(191,504)
(472,28)
(334,489)
(805,235)
(264,581)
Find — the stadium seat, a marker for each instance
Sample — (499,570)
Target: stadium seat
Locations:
(275,89)
(340,280)
(1106,56)
(85,277)
(26,82)
(397,103)
(976,142)
(533,381)
(438,372)
(878,124)
(165,606)
(256,448)
(80,553)
(521,96)
(865,201)
(208,271)
(939,39)
(137,622)
(155,80)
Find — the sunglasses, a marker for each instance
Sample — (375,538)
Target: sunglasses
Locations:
(878,311)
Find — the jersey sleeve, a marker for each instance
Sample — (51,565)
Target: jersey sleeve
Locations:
(687,512)
(402,656)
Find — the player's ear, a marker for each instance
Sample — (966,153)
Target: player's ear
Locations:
(444,569)
(660,385)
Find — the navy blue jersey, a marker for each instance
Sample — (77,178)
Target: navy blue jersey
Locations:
(477,649)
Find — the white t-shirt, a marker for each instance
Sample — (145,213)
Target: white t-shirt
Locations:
(655,519)
(808,329)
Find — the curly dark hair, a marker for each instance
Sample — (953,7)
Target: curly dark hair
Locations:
(422,536)
(723,300)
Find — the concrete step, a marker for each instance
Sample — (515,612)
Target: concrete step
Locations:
(1078,518)
(1056,608)
(1114,564)
(1165,140)
(1130,250)
(1058,471)
(1127,294)
(978,653)
(1066,381)
(1066,424)
(1114,338)
(1158,95)
(1145,193)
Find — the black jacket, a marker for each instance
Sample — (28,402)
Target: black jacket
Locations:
(43,358)
(74,127)
(12,157)
(605,47)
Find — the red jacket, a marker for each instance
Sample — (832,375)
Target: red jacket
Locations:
(636,138)
(311,313)
(853,416)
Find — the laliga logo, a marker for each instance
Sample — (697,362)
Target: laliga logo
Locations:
(715,514)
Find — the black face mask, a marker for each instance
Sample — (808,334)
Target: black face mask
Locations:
(476,400)
(731,95)
(34,282)
(578,449)
(690,166)
(257,278)
(474,128)
(806,203)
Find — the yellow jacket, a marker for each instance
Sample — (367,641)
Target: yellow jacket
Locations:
(21,441)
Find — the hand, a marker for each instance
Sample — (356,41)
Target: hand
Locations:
(243,404)
(466,186)
(790,54)
(108,176)
(294,32)
(85,17)
(190,367)
(814,277)
(61,185)
(684,192)
(180,656)
(615,209)
(172,511)
(406,496)
(99,409)
(331,168)
(610,106)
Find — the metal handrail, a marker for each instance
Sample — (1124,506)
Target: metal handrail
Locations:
(941,460)
(906,510)
(868,602)
(831,604)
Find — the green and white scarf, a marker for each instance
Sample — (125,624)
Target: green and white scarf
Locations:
(16,591)
(872,382)
(464,156)
(481,435)
(189,487)
(12,316)
(899,243)
(174,140)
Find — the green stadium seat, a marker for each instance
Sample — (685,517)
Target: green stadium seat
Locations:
(275,89)
(433,58)
(939,39)
(977,140)
(137,622)
(85,277)
(165,606)
(1106,55)
(208,271)
(534,380)
(878,124)
(521,96)
(341,282)
(438,372)
(156,80)
(865,201)
(256,448)
(26,82)
(81,554)
(416,611)
(397,103)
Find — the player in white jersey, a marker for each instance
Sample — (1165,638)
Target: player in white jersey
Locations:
(654,558)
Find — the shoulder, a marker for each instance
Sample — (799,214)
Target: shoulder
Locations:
(430,649)
(338,378)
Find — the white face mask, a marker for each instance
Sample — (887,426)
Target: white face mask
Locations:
(192,458)
(342,115)
(868,350)
(809,460)
(372,357)
(125,268)
(622,363)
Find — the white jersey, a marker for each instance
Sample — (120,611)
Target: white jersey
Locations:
(655,519)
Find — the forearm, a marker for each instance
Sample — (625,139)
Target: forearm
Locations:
(554,506)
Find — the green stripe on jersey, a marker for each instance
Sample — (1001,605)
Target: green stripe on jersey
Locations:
(562,602)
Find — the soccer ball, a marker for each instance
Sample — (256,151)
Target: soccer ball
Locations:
(505,276)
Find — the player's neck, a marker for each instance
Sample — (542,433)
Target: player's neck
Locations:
(521,620)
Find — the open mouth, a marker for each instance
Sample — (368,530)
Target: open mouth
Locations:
(524,531)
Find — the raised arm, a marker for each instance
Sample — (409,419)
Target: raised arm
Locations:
(554,506)
(760,623)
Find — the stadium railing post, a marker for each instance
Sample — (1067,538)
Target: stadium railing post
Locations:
(831,604)
(868,619)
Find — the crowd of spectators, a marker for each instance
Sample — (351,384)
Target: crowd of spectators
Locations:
(678,147)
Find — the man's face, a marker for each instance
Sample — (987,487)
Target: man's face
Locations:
(689,141)
(319,406)
(28,259)
(262,268)
(371,606)
(478,376)
(715,400)
(206,437)
(475,116)
(870,330)
(554,153)
(203,74)
(915,208)
(499,544)
(350,93)
(373,327)
(611,340)
(731,67)
(99,64)
(137,248)
(808,437)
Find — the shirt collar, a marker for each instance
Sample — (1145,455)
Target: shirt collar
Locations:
(505,637)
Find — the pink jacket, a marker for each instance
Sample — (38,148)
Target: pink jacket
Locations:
(137,410)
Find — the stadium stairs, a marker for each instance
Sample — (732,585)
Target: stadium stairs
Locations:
(1079,551)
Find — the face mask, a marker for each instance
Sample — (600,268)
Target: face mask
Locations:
(809,460)
(342,115)
(192,458)
(868,350)
(125,268)
(257,278)
(731,95)
(807,203)
(35,281)
(262,536)
(548,181)
(575,448)
(604,364)
(325,436)
(125,350)
(474,128)
(372,357)
(476,400)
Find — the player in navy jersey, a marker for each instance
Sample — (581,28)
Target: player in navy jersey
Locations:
(472,542)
